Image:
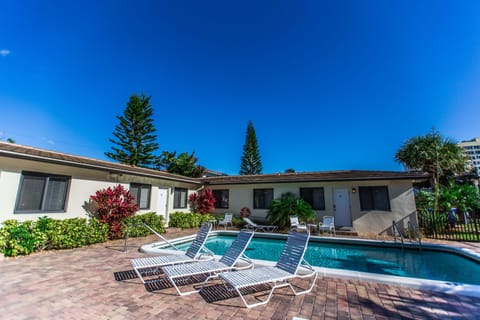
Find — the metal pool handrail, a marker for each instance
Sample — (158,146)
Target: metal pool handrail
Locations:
(395,227)
(149,228)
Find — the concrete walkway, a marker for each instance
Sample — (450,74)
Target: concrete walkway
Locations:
(80,284)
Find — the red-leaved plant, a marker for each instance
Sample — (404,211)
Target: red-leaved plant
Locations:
(112,206)
(202,203)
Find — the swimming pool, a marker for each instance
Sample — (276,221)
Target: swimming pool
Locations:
(369,260)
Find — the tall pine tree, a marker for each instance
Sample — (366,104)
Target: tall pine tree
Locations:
(135,134)
(251,161)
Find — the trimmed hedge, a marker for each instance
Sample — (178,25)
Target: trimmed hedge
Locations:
(72,233)
(22,238)
(188,220)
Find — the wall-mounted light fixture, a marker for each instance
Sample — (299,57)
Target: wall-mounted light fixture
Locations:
(354,190)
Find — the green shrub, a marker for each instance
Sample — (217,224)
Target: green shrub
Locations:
(22,238)
(289,204)
(238,222)
(66,234)
(97,232)
(135,228)
(188,220)
(19,238)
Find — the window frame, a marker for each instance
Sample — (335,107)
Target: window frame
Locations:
(311,203)
(364,191)
(44,196)
(265,192)
(223,192)
(176,193)
(141,186)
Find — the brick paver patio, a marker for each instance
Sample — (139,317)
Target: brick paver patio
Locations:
(80,284)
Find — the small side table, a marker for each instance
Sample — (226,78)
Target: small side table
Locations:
(214,223)
(313,226)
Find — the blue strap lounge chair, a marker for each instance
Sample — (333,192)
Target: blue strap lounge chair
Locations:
(291,265)
(196,252)
(258,227)
(228,262)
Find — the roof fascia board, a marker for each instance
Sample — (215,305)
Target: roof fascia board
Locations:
(97,167)
(314,180)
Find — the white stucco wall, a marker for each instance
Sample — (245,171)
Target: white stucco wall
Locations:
(83,183)
(402,201)
(8,193)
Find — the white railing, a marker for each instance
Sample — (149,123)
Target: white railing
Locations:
(149,228)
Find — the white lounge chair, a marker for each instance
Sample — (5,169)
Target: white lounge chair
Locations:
(328,224)
(294,223)
(228,262)
(258,227)
(287,268)
(226,220)
(197,251)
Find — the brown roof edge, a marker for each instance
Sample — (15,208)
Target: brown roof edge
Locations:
(31,153)
(324,176)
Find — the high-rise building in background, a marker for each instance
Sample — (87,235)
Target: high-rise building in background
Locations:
(472,150)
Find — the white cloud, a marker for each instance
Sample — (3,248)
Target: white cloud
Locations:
(51,142)
(4,52)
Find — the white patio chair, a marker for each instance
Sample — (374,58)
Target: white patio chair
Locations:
(294,223)
(196,252)
(226,220)
(328,224)
(177,274)
(287,268)
(258,227)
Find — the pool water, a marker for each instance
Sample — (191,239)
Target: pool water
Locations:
(426,264)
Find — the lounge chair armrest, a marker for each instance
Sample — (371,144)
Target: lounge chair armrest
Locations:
(247,260)
(305,265)
(207,252)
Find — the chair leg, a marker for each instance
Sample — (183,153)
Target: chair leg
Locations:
(181,293)
(139,274)
(252,305)
(315,276)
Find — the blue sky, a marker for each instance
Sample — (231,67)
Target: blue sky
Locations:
(329,85)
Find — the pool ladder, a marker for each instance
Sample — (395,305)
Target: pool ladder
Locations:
(411,228)
(149,228)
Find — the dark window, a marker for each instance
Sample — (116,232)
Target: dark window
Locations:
(314,196)
(141,192)
(42,193)
(221,198)
(374,198)
(180,198)
(262,198)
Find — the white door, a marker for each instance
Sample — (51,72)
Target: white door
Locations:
(341,203)
(162,203)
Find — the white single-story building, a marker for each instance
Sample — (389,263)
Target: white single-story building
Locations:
(37,182)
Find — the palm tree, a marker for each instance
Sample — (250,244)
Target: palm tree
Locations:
(438,156)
